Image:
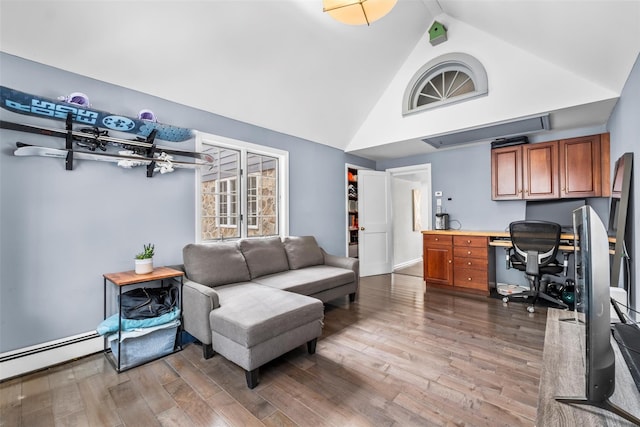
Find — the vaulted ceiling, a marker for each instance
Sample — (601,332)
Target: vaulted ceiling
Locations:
(287,66)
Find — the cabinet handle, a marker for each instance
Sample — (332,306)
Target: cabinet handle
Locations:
(469,263)
(469,278)
(468,242)
(449,261)
(436,239)
(361,228)
(468,252)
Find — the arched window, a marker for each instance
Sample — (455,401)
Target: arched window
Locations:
(450,78)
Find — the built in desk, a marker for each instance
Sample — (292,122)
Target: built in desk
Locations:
(465,260)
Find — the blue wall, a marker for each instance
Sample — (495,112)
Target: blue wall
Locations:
(61,230)
(624,126)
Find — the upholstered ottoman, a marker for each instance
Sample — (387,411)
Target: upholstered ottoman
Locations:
(254,324)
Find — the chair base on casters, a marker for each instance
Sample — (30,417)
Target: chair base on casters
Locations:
(536,293)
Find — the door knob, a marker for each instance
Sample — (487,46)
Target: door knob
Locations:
(361,228)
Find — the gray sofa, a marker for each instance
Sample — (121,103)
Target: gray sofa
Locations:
(253,300)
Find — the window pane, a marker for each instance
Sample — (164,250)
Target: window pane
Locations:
(252,201)
(262,197)
(431,91)
(218,194)
(224,207)
(461,84)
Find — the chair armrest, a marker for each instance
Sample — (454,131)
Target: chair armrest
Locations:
(352,264)
(197,302)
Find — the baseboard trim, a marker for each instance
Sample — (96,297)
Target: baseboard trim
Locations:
(34,358)
(407,264)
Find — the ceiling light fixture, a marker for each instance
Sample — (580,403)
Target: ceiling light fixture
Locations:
(357,12)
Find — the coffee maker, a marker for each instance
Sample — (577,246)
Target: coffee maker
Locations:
(442,221)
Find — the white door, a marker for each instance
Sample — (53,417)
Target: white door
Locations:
(374,217)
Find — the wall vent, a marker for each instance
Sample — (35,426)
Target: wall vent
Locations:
(497,130)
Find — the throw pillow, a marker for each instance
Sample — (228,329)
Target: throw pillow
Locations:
(302,251)
(215,264)
(264,256)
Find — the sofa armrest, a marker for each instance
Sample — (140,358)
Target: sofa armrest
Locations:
(343,262)
(197,302)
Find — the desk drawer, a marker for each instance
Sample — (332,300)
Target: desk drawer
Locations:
(470,278)
(470,263)
(473,241)
(470,252)
(437,240)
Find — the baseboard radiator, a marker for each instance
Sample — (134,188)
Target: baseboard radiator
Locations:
(24,360)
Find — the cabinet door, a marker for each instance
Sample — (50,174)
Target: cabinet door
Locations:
(580,171)
(506,173)
(438,259)
(438,267)
(540,170)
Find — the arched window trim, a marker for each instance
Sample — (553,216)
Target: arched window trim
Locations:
(448,62)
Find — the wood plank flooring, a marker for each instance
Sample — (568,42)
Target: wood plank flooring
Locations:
(412,270)
(398,356)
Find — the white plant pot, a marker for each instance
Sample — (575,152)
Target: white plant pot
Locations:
(144,266)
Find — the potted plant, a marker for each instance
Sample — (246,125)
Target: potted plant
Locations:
(144,260)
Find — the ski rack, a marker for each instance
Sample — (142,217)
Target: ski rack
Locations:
(69,142)
(151,151)
(69,146)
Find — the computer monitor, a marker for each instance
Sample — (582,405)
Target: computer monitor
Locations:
(592,311)
(558,211)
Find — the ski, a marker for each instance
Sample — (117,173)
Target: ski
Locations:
(123,160)
(33,105)
(92,138)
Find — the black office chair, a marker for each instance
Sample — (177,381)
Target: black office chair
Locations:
(534,251)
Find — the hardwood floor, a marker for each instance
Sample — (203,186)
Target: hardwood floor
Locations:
(412,270)
(396,357)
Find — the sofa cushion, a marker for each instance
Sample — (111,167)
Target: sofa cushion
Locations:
(264,256)
(215,264)
(302,251)
(250,313)
(310,280)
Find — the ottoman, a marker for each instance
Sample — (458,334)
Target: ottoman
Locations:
(254,324)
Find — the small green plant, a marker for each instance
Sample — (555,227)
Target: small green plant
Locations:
(147,253)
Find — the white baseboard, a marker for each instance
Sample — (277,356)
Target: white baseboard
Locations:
(407,263)
(40,356)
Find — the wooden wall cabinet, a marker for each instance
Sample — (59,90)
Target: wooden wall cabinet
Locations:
(540,171)
(506,173)
(585,166)
(569,168)
(525,172)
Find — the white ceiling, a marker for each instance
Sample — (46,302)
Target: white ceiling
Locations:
(286,66)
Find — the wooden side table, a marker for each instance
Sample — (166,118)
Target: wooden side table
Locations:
(126,278)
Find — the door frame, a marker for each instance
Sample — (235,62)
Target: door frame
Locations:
(395,172)
(427,217)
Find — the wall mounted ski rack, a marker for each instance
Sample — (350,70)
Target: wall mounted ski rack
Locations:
(149,152)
